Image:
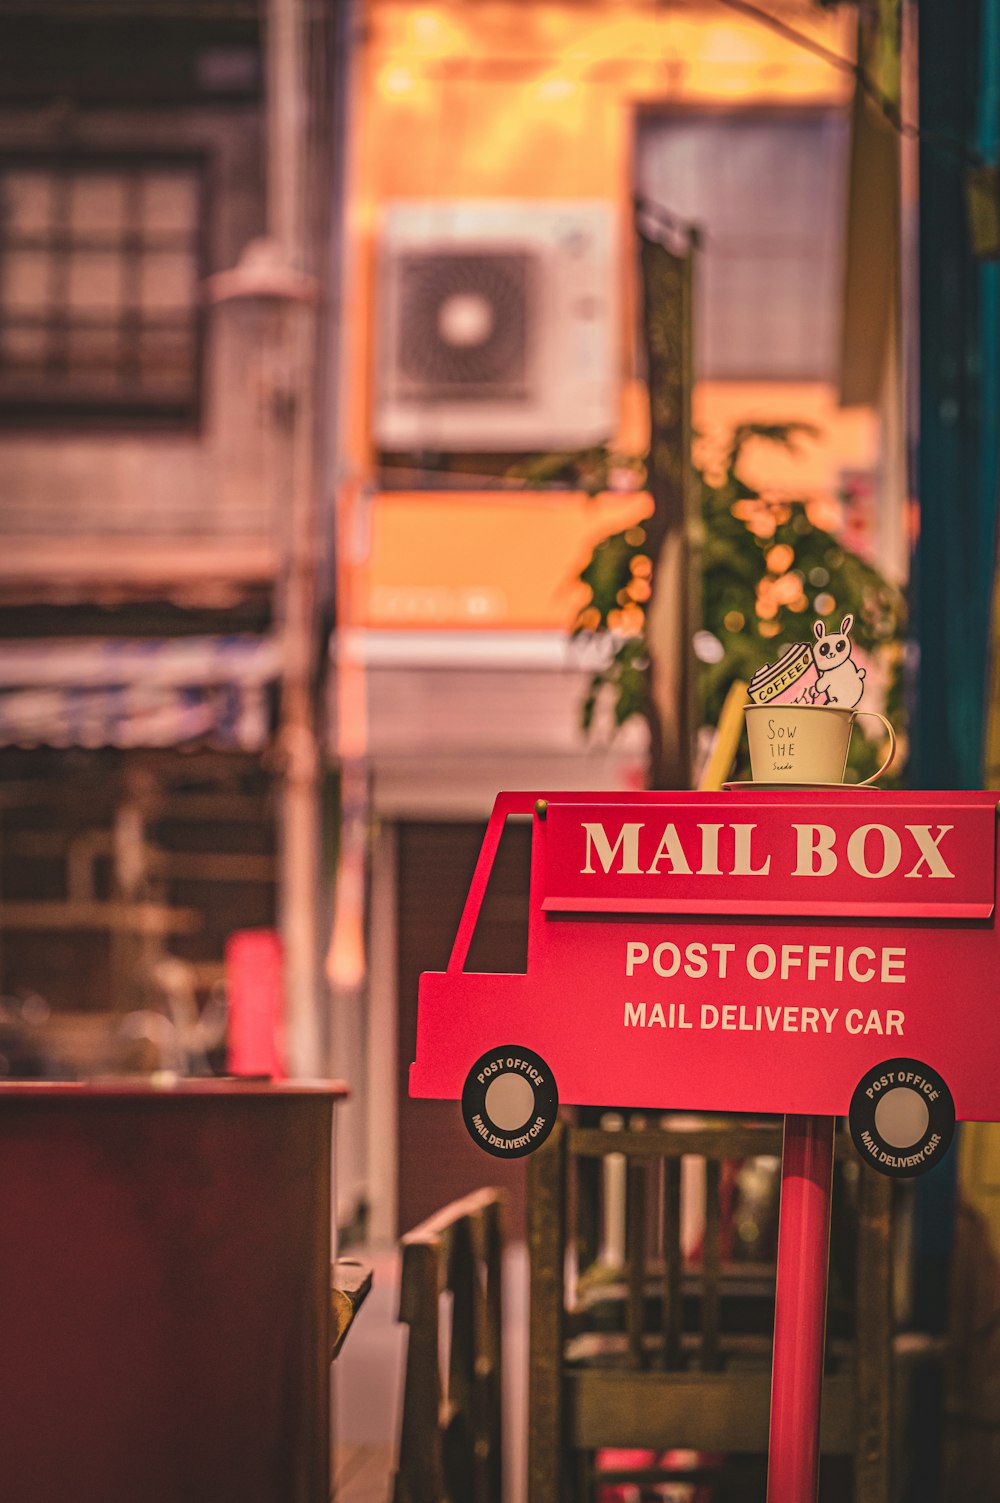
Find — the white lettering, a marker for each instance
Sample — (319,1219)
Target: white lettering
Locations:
(670,846)
(818,956)
(709,851)
(627,842)
(853,967)
(675,959)
(695,960)
(723,951)
(791,955)
(743,854)
(814,853)
(874,851)
(770,960)
(636,953)
(930,856)
(892,850)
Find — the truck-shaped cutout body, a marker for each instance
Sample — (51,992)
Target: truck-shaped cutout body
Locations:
(744,951)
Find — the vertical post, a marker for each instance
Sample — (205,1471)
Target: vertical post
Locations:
(288,160)
(955,551)
(673,614)
(800,1309)
(547,1169)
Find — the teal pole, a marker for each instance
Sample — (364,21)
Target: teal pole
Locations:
(959,386)
(988,145)
(955,557)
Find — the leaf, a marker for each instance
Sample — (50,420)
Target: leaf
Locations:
(733,567)
(784,435)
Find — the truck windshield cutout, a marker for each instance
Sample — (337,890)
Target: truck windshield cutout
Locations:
(500,937)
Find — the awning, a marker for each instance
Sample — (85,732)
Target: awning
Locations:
(130,692)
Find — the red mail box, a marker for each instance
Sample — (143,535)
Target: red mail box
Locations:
(742,951)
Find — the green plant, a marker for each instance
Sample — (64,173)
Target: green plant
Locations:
(769,570)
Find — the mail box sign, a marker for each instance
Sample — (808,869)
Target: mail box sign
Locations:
(748,952)
(848,859)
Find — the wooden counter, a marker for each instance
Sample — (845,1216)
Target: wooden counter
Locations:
(165,1292)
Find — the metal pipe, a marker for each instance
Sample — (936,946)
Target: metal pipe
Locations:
(285,125)
(293,415)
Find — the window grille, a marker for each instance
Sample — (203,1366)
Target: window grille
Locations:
(767,190)
(100,263)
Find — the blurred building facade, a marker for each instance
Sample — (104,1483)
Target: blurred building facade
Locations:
(281,309)
(155,407)
(492,151)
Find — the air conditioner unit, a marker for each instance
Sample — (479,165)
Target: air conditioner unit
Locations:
(497,326)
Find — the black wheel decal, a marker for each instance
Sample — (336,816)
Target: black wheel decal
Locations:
(534,1109)
(925,1102)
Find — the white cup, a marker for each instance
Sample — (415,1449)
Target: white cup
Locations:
(805,743)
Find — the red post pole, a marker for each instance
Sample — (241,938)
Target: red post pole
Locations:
(800,1309)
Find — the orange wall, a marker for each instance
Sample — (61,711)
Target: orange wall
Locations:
(494,98)
(487,559)
(501,98)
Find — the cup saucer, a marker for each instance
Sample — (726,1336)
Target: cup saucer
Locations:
(747,784)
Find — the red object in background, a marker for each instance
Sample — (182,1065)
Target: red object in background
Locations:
(165,1293)
(616,1459)
(255,995)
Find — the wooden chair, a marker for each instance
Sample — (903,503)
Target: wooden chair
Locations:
(450,1445)
(677,1353)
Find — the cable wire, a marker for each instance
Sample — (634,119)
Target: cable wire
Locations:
(888,107)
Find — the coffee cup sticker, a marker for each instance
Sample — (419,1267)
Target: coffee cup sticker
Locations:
(788,681)
(805,743)
(802,711)
(822,672)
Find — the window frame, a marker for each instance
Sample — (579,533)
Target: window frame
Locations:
(116,410)
(762,113)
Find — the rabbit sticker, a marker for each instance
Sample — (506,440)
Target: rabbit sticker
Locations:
(821,672)
(839,681)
